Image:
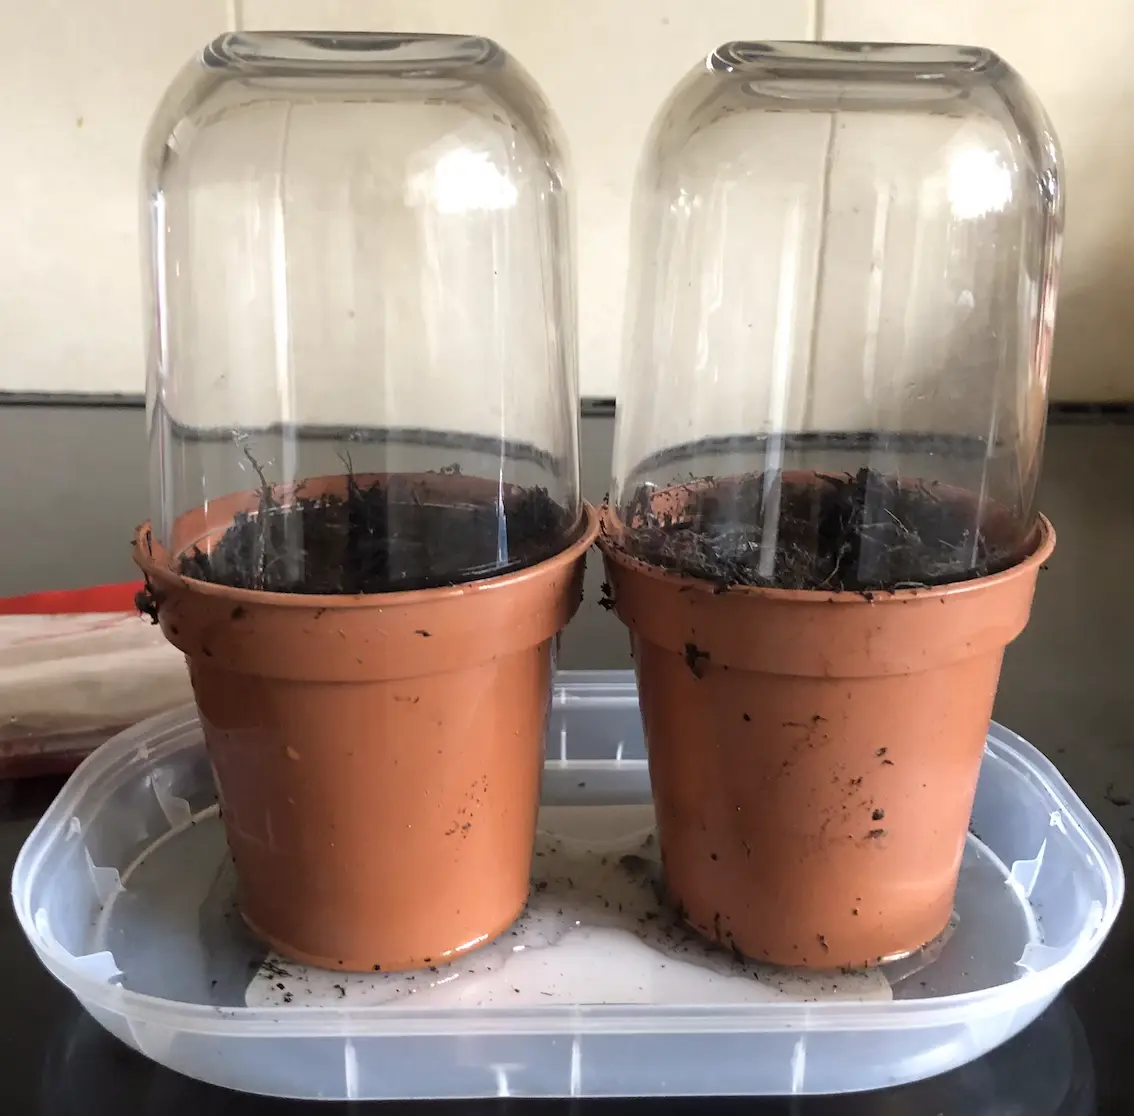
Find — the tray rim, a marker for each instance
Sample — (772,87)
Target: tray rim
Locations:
(93,779)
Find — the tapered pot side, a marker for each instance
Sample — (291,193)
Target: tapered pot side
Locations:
(814,755)
(377,757)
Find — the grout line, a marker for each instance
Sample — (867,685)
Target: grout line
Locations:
(126,401)
(235,14)
(815,20)
(591,406)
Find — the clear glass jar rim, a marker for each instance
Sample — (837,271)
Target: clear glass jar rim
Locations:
(840,59)
(320,52)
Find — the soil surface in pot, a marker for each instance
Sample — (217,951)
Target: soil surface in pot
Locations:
(392,534)
(859,532)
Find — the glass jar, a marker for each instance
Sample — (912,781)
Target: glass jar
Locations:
(361,352)
(845,261)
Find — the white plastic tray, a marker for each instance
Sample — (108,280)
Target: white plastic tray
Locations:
(125,891)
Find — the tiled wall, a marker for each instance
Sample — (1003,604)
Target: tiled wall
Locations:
(78,91)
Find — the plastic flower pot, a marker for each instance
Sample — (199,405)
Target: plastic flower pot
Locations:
(814,756)
(377,756)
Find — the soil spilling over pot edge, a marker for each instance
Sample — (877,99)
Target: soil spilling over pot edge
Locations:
(862,532)
(392,535)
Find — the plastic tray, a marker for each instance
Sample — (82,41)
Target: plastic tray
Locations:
(125,892)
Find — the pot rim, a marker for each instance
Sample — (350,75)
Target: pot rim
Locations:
(613,551)
(146,551)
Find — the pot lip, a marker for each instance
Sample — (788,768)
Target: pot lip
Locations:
(611,550)
(408,597)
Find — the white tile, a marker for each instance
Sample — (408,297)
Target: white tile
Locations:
(78,85)
(605,66)
(1077,58)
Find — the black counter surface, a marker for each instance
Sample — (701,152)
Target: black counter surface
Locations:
(73,487)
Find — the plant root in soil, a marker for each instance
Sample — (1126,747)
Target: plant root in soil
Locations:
(397,533)
(863,533)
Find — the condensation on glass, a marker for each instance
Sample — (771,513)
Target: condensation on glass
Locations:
(361,326)
(844,270)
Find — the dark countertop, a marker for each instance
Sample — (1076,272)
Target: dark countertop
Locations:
(1066,686)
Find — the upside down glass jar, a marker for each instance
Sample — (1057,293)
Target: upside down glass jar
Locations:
(821,531)
(366,521)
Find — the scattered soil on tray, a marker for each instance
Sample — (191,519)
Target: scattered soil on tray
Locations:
(863,532)
(390,535)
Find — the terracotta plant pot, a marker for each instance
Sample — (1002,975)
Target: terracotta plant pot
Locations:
(377,757)
(814,755)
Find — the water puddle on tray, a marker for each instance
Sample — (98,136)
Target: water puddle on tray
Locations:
(595,931)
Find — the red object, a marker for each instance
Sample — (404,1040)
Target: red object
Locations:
(74,602)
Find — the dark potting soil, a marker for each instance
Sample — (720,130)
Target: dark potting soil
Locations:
(862,532)
(392,535)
